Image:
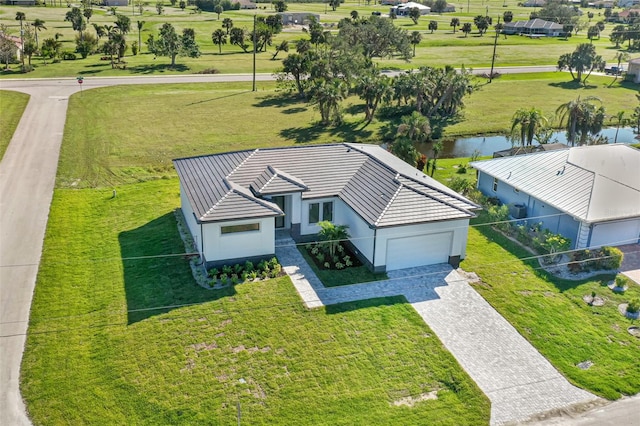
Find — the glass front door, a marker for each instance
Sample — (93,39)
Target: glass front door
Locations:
(279,200)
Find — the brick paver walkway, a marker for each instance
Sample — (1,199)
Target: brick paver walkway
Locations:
(517,379)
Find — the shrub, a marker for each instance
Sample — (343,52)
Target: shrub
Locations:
(253,275)
(237,268)
(462,169)
(634,306)
(273,263)
(248,266)
(263,266)
(69,56)
(461,185)
(265,274)
(206,70)
(320,257)
(213,273)
(234,279)
(339,265)
(223,278)
(621,281)
(612,257)
(226,269)
(327,265)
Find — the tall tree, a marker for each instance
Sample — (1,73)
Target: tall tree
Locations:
(403,148)
(227,24)
(584,60)
(525,124)
(507,16)
(140,24)
(280,6)
(482,23)
(296,68)
(617,35)
(237,37)
(282,47)
(77,20)
(327,95)
(455,22)
(30,47)
(466,28)
(433,25)
(581,118)
(87,13)
(20,16)
(170,44)
(415,38)
(415,127)
(620,121)
(218,9)
(414,14)
(219,38)
(50,48)
(38,25)
(123,24)
(8,48)
(372,87)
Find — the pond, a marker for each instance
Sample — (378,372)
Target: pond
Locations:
(487,145)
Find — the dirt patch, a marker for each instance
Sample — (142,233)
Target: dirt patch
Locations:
(191,364)
(204,346)
(593,301)
(410,401)
(226,322)
(525,292)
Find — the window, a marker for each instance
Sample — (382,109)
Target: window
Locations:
(495,184)
(314,212)
(240,228)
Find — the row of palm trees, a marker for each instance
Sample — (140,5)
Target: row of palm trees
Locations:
(582,118)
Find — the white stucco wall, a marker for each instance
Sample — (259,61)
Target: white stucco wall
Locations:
(360,232)
(238,244)
(459,228)
(305,227)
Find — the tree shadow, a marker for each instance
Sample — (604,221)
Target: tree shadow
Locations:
(218,98)
(281,101)
(346,132)
(303,134)
(354,109)
(294,110)
(159,68)
(573,85)
(363,304)
(157,275)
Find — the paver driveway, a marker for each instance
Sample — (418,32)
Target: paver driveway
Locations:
(517,379)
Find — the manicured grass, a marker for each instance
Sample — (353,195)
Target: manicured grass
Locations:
(440,48)
(12,105)
(135,131)
(99,351)
(334,278)
(550,313)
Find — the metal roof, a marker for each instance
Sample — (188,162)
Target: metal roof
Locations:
(382,189)
(591,183)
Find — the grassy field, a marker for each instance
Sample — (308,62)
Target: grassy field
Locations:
(126,142)
(12,105)
(101,351)
(443,47)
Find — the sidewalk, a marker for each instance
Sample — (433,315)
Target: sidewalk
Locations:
(517,379)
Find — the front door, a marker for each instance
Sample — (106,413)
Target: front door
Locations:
(279,200)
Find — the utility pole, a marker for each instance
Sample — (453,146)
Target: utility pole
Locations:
(495,45)
(255,42)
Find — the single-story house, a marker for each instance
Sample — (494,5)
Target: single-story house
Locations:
(15,46)
(534,3)
(634,70)
(298,18)
(589,194)
(20,2)
(111,3)
(246,4)
(628,3)
(405,9)
(397,216)
(534,27)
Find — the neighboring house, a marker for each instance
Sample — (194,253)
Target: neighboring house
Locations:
(536,26)
(633,72)
(298,18)
(20,2)
(528,149)
(397,216)
(405,9)
(14,46)
(589,194)
(627,3)
(391,2)
(534,3)
(112,3)
(626,16)
(246,4)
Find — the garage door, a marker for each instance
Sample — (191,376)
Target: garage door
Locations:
(418,250)
(615,233)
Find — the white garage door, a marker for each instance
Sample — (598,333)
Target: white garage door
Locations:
(615,233)
(418,250)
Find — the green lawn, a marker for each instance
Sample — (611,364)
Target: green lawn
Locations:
(12,105)
(443,47)
(100,351)
(135,131)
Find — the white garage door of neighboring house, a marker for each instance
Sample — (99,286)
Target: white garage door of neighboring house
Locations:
(418,250)
(615,233)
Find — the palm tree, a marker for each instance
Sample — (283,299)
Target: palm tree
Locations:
(415,127)
(583,118)
(282,47)
(333,235)
(415,38)
(140,25)
(20,16)
(227,24)
(466,28)
(219,37)
(38,25)
(403,148)
(620,121)
(525,124)
(328,94)
(455,22)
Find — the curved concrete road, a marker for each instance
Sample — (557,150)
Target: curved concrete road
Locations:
(27,176)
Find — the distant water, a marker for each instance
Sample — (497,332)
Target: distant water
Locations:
(487,145)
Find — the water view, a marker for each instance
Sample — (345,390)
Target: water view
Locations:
(487,145)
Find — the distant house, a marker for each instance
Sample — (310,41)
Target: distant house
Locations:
(405,9)
(534,27)
(398,217)
(627,3)
(589,194)
(392,2)
(529,149)
(17,46)
(20,2)
(633,72)
(298,18)
(534,3)
(246,4)
(111,3)
(626,16)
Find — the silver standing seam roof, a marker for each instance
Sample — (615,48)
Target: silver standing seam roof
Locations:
(382,189)
(591,183)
